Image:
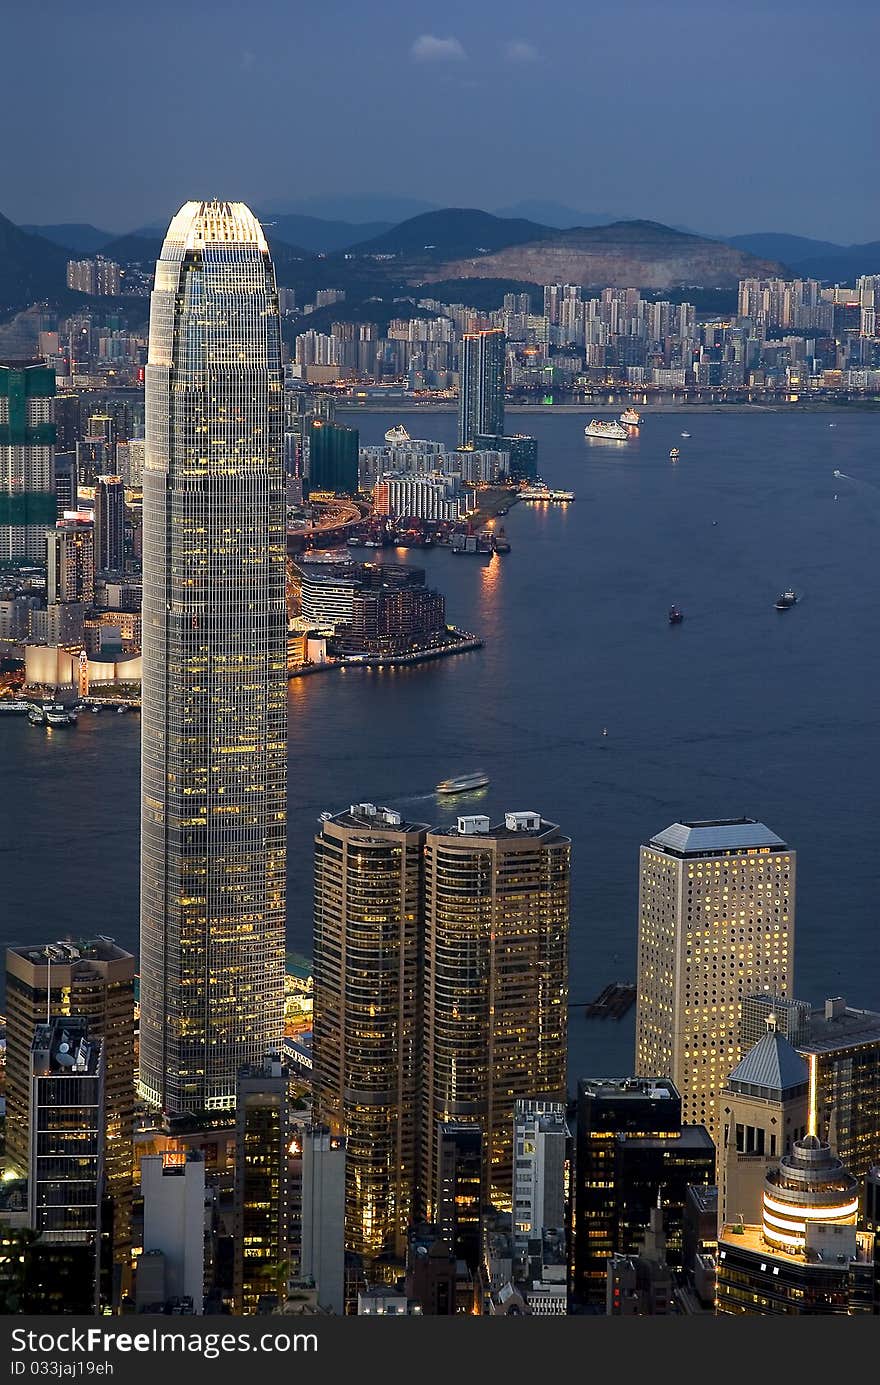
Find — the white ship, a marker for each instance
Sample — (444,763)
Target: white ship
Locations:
(631,417)
(543,495)
(607,429)
(397,436)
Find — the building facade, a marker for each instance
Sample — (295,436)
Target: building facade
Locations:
(27,473)
(110,524)
(482,358)
(368,890)
(214,698)
(716,923)
(70,561)
(495,992)
(261,1206)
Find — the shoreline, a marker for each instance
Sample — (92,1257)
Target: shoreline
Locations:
(464,645)
(394,406)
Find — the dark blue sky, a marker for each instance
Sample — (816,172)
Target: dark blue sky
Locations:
(723,115)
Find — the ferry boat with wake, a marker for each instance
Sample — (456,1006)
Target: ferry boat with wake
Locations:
(464,783)
(631,418)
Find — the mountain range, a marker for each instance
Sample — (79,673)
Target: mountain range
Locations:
(376,260)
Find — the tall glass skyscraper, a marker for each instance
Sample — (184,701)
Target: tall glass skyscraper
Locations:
(481,384)
(214,647)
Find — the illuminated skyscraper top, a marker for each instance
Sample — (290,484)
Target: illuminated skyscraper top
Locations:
(214,646)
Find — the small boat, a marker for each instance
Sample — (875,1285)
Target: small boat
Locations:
(676,616)
(788,599)
(631,418)
(120,710)
(57,716)
(37,715)
(674,454)
(397,436)
(607,430)
(14,707)
(464,783)
(685,435)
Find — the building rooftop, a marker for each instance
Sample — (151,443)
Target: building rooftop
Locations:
(64,1048)
(516,825)
(637,1088)
(772,1066)
(751,1238)
(716,836)
(369,817)
(835,1025)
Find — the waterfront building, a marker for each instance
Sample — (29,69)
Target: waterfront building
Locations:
(482,358)
(27,445)
(261,1206)
(70,561)
(805,1256)
(716,922)
(540,1139)
(632,1147)
(173,1188)
(521,450)
(326,592)
(460,1203)
(495,978)
(333,457)
(214,698)
(90,982)
(324,1203)
(66,1125)
(764,1109)
(398,620)
(368,886)
(404,496)
(110,524)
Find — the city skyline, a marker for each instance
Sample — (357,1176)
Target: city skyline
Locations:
(471,64)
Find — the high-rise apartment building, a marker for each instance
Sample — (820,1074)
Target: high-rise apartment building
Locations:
(27,445)
(91,982)
(482,357)
(716,923)
(214,704)
(70,561)
(66,1137)
(368,893)
(110,524)
(540,1139)
(631,1147)
(65,483)
(261,1201)
(495,990)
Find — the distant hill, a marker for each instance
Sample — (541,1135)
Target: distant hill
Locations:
(813,259)
(31,268)
(144,250)
(319,236)
(554,214)
(451,233)
(389,209)
(77,236)
(464,244)
(777,245)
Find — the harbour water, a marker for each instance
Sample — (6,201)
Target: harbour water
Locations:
(584,702)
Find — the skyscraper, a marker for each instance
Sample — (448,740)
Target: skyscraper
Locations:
(323,1215)
(27,474)
(495,985)
(333,457)
(70,561)
(110,524)
(262,1202)
(214,648)
(481,385)
(368,881)
(716,923)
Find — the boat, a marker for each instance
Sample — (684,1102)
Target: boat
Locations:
(685,435)
(676,616)
(788,599)
(606,429)
(543,495)
(464,783)
(674,454)
(121,709)
(631,417)
(397,436)
(57,716)
(11,707)
(36,715)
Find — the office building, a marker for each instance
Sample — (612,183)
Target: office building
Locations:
(632,1148)
(66,1138)
(368,882)
(805,1256)
(716,923)
(393,620)
(333,458)
(173,1188)
(521,449)
(214,694)
(790,1018)
(65,483)
(94,457)
(842,1050)
(764,1108)
(110,524)
(495,975)
(92,982)
(324,1215)
(482,358)
(27,445)
(540,1138)
(262,1194)
(70,561)
(460,1204)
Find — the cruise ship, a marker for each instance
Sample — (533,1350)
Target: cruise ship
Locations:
(631,417)
(542,495)
(606,429)
(397,436)
(464,783)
